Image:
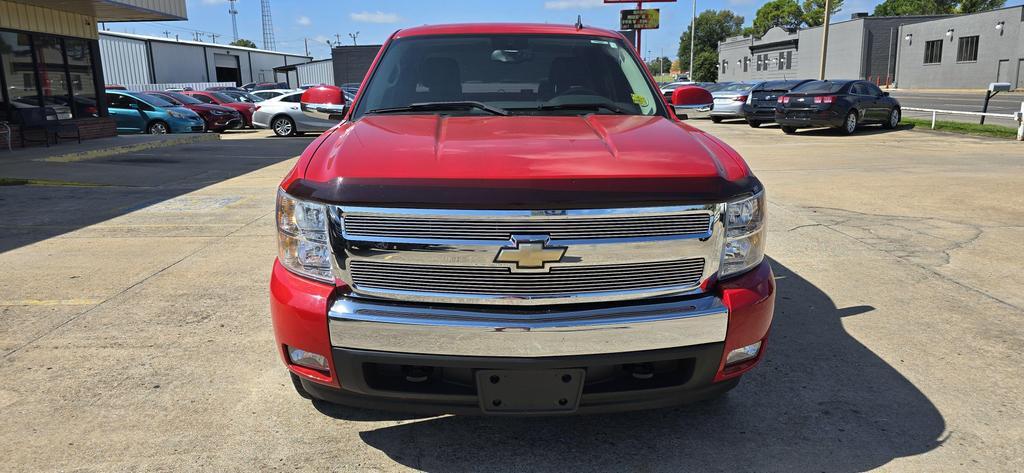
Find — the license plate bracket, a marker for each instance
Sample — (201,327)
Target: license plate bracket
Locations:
(530,391)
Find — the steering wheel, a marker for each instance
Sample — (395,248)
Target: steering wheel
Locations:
(577,90)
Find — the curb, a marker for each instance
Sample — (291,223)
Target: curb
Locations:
(131,148)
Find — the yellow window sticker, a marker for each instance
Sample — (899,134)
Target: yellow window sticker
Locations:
(640,100)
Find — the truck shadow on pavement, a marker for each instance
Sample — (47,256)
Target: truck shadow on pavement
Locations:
(97,190)
(820,401)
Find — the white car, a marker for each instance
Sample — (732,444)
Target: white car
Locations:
(283,115)
(271,93)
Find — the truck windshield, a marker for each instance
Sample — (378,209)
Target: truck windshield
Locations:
(509,74)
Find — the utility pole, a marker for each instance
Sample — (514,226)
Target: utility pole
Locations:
(305,41)
(337,38)
(661,62)
(167,34)
(824,40)
(693,39)
(213,37)
(353,36)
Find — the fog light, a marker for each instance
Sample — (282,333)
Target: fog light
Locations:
(743,354)
(308,359)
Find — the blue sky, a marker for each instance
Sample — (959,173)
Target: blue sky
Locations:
(321,20)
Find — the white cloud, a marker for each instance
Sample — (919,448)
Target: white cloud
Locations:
(214,2)
(375,17)
(571,4)
(304,21)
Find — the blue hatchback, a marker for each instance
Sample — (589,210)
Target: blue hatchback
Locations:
(136,112)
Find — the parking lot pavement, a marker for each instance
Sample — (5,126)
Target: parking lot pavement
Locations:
(139,338)
(964,101)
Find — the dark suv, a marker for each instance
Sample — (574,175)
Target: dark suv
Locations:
(760,107)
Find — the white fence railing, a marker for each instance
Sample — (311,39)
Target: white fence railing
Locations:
(1016,116)
(177,85)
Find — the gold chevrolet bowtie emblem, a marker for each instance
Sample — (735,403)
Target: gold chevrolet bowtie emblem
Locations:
(530,252)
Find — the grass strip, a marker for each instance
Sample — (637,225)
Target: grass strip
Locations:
(997,131)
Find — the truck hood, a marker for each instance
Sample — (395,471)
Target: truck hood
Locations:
(520,161)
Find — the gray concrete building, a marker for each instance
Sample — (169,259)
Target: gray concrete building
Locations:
(864,47)
(138,59)
(967,51)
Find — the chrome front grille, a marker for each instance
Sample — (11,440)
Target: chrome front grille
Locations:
(563,281)
(489,257)
(490,228)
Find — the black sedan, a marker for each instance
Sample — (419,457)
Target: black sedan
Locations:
(841,104)
(760,107)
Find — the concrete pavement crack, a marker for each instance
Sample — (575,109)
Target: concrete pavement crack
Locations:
(925,242)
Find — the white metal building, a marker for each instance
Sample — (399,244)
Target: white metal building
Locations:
(316,72)
(138,59)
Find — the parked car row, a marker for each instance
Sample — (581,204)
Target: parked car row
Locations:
(805,103)
(217,109)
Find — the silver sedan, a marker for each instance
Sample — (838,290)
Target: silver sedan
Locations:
(729,101)
(283,115)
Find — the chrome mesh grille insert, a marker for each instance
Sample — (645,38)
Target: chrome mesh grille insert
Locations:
(489,228)
(502,282)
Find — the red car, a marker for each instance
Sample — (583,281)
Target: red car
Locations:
(217,98)
(217,117)
(510,219)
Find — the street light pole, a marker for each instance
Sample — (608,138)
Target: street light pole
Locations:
(824,40)
(693,38)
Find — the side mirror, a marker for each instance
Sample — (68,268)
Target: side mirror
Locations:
(885,94)
(691,97)
(325,102)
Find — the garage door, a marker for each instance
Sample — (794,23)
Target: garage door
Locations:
(227,68)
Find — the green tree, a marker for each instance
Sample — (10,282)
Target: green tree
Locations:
(659,65)
(914,7)
(784,13)
(705,67)
(975,6)
(243,42)
(814,11)
(712,26)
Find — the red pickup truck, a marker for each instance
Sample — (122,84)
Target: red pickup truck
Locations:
(510,219)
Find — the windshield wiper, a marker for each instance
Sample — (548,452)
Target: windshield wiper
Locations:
(584,106)
(442,106)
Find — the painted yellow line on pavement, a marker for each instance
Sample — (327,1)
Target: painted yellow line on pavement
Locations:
(131,148)
(49,302)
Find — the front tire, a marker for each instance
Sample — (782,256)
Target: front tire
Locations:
(894,119)
(716,119)
(158,128)
(754,124)
(849,124)
(283,126)
(789,130)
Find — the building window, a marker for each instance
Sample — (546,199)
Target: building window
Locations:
(47,71)
(933,52)
(746,62)
(53,75)
(789,59)
(19,76)
(83,84)
(967,50)
(724,65)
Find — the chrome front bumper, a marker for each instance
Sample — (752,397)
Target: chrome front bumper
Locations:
(370,325)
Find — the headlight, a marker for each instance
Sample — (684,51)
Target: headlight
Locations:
(744,235)
(176,114)
(302,243)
